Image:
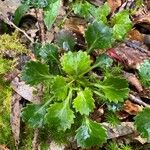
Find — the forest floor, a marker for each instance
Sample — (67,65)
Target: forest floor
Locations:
(101,48)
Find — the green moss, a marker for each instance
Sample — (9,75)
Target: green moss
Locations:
(11,43)
(5,65)
(5,129)
(5,98)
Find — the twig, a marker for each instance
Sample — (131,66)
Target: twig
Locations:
(6,20)
(135,46)
(138,100)
(39,15)
(35,141)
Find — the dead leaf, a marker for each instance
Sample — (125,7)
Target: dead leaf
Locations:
(54,146)
(143,18)
(140,139)
(135,35)
(114,4)
(130,57)
(76,25)
(15,116)
(132,108)
(132,79)
(26,91)
(3,147)
(11,75)
(125,128)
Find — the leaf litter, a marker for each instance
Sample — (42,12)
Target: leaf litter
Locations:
(133,54)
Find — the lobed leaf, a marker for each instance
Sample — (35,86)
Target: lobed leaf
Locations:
(34,115)
(84,102)
(122,24)
(102,12)
(75,63)
(60,115)
(49,52)
(142,123)
(90,134)
(60,87)
(83,9)
(115,88)
(35,73)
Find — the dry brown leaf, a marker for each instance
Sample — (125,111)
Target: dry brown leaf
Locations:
(26,91)
(130,57)
(3,147)
(114,4)
(135,35)
(132,79)
(143,18)
(132,108)
(140,139)
(15,116)
(125,128)
(76,25)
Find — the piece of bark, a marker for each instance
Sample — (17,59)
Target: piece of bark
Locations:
(15,117)
(130,58)
(125,128)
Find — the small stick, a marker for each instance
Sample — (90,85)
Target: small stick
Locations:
(133,45)
(6,20)
(138,100)
(39,15)
(35,142)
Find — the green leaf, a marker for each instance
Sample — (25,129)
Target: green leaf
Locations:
(34,115)
(60,115)
(84,102)
(50,13)
(104,62)
(90,134)
(102,12)
(75,63)
(49,52)
(60,87)
(35,72)
(35,3)
(20,11)
(5,65)
(65,40)
(115,88)
(144,72)
(98,36)
(83,9)
(142,123)
(36,48)
(122,24)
